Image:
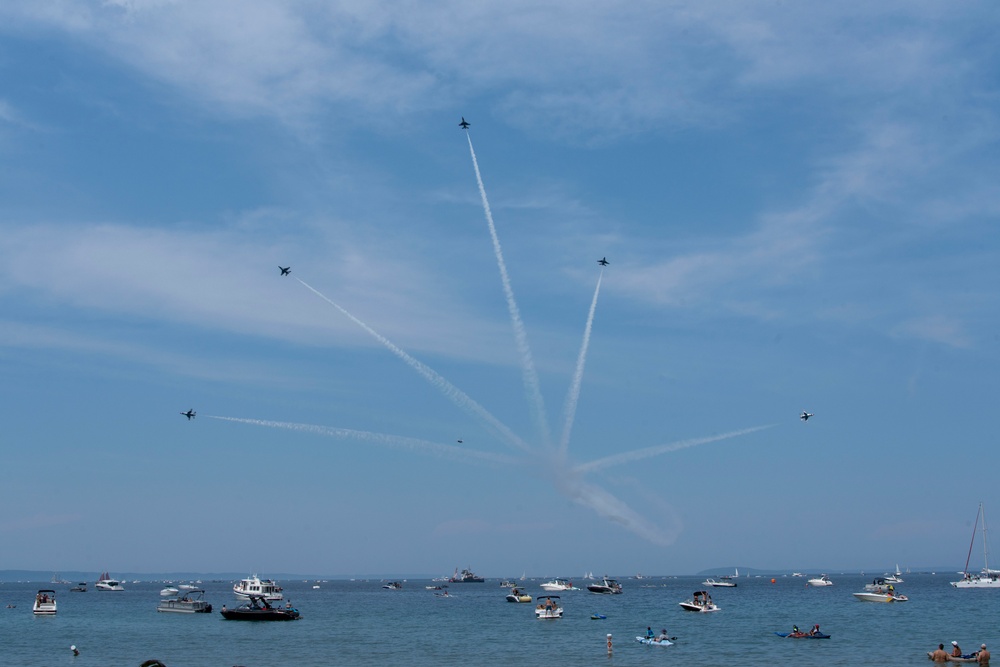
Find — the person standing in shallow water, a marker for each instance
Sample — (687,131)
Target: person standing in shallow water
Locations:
(983,657)
(939,655)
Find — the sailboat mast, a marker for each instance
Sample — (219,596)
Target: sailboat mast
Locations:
(973,541)
(986,562)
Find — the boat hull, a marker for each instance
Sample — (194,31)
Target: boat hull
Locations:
(260,615)
(649,641)
(700,608)
(880,597)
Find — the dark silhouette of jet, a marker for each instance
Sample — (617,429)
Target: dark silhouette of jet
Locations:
(464,124)
(189,414)
(805,416)
(603,261)
(459,441)
(285,270)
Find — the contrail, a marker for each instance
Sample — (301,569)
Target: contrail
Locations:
(647,452)
(447,451)
(456,395)
(531,384)
(573,397)
(610,507)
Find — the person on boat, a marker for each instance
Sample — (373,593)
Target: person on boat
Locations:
(663,636)
(815,630)
(795,630)
(649,632)
(983,657)
(956,651)
(939,655)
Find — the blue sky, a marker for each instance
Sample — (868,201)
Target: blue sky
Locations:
(798,201)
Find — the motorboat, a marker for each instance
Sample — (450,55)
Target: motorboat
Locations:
(700,601)
(255,586)
(878,585)
(507,583)
(559,585)
(549,608)
(79,588)
(605,587)
(393,586)
(257,608)
(106,583)
(886,596)
(987,578)
(466,577)
(169,591)
(192,601)
(723,583)
(45,603)
(821,580)
(517,595)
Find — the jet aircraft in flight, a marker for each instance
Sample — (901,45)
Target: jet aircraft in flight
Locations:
(464,124)
(805,416)
(189,414)
(603,261)
(285,270)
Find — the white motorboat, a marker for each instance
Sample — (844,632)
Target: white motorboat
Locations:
(517,595)
(606,587)
(559,585)
(700,602)
(988,578)
(394,586)
(79,588)
(45,603)
(168,591)
(258,587)
(821,580)
(192,601)
(549,607)
(106,583)
(888,596)
(724,583)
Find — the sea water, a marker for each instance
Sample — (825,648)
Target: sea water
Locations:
(360,623)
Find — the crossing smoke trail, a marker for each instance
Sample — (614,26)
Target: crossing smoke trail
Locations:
(446,451)
(573,397)
(531,384)
(453,393)
(637,454)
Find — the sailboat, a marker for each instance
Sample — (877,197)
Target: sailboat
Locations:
(987,579)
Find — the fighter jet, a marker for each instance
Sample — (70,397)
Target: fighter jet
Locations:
(603,261)
(464,124)
(805,416)
(189,414)
(285,270)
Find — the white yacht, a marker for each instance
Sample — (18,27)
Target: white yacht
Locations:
(821,580)
(606,587)
(106,583)
(549,608)
(723,583)
(700,602)
(45,603)
(258,587)
(559,585)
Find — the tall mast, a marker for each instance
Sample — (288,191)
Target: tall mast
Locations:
(986,562)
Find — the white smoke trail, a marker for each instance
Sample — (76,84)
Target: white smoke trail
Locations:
(453,393)
(610,507)
(530,377)
(573,397)
(415,444)
(637,454)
